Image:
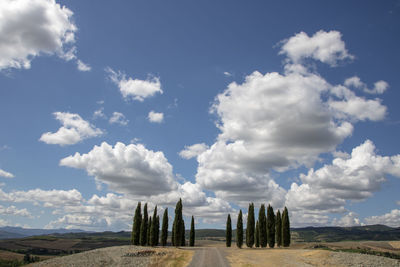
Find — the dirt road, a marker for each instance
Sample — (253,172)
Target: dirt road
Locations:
(208,256)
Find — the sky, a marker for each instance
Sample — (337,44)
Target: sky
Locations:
(220,103)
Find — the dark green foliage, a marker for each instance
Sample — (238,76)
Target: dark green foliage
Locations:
(148,231)
(153,229)
(137,221)
(178,220)
(257,235)
(239,230)
(173,234)
(285,228)
(143,227)
(183,243)
(192,233)
(157,231)
(262,223)
(270,226)
(278,229)
(228,231)
(250,226)
(164,230)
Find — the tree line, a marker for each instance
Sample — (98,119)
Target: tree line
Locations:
(146,229)
(268,229)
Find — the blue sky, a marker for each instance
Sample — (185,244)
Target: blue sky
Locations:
(221,103)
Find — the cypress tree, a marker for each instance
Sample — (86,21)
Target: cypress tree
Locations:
(137,221)
(157,231)
(148,231)
(262,224)
(239,230)
(143,227)
(278,231)
(192,233)
(153,229)
(270,226)
(250,227)
(173,234)
(257,235)
(183,240)
(285,228)
(164,230)
(228,231)
(178,224)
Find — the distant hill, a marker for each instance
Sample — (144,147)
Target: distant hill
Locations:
(356,233)
(19,232)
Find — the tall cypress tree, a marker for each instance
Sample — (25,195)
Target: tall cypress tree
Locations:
(143,227)
(239,230)
(157,231)
(183,240)
(262,223)
(192,233)
(137,221)
(285,228)
(270,226)
(173,234)
(278,229)
(153,229)
(164,230)
(257,235)
(178,224)
(148,231)
(250,227)
(228,231)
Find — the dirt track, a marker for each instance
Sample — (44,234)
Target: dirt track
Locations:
(208,256)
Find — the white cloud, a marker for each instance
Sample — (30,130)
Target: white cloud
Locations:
(99,114)
(390,219)
(349,219)
(278,121)
(12,210)
(156,117)
(74,130)
(130,169)
(30,28)
(5,174)
(193,151)
(49,198)
(82,66)
(356,178)
(379,87)
(135,88)
(118,118)
(227,74)
(327,47)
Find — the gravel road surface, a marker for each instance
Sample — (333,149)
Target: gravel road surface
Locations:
(208,256)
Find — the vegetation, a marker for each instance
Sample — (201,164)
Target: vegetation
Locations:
(250,226)
(183,243)
(192,233)
(157,241)
(153,229)
(228,231)
(285,228)
(148,232)
(239,230)
(278,229)
(270,226)
(143,227)
(257,235)
(263,226)
(179,226)
(137,221)
(164,230)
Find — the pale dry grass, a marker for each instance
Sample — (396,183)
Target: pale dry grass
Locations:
(278,257)
(395,244)
(174,257)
